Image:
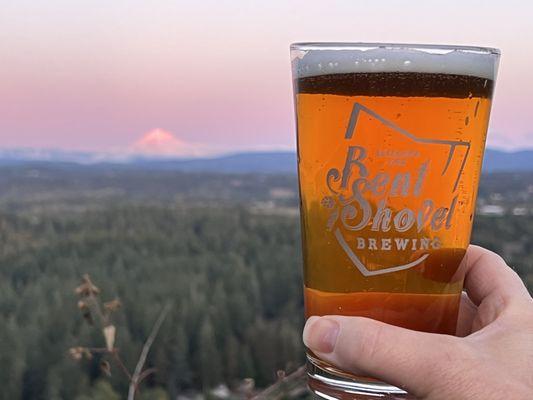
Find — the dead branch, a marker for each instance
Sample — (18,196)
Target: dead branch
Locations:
(146,373)
(144,353)
(90,305)
(278,389)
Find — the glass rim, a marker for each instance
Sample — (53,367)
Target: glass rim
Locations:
(429,48)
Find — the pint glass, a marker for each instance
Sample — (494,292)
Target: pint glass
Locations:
(390,147)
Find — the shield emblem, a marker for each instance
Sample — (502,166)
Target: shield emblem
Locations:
(394,193)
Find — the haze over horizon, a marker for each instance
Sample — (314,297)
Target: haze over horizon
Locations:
(216,75)
(160,144)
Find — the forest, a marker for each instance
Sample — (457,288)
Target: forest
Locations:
(221,251)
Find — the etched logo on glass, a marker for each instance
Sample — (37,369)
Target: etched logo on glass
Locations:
(378,201)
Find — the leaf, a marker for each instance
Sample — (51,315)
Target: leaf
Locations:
(109,335)
(87,288)
(88,317)
(105,367)
(76,353)
(87,353)
(112,305)
(146,373)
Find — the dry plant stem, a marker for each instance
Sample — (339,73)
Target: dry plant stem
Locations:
(88,293)
(136,377)
(120,364)
(146,373)
(98,350)
(116,358)
(104,320)
(270,392)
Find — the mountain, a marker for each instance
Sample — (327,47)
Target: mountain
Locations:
(256,162)
(25,155)
(249,162)
(499,161)
(161,143)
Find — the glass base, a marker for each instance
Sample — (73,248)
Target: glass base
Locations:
(329,383)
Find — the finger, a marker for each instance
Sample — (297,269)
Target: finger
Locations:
(398,356)
(467,313)
(487,275)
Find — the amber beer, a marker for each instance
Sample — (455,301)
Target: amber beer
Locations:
(390,146)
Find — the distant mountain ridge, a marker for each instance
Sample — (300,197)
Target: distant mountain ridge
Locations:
(247,162)
(496,160)
(256,162)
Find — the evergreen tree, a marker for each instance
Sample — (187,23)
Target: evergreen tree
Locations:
(153,394)
(246,363)
(175,361)
(11,362)
(209,357)
(232,359)
(102,390)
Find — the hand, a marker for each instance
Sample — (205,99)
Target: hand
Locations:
(492,360)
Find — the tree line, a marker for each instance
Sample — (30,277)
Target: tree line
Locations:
(233,280)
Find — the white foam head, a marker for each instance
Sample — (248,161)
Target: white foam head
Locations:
(336,58)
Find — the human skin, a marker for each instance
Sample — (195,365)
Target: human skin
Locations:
(490,358)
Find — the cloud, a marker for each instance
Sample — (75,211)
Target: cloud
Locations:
(516,141)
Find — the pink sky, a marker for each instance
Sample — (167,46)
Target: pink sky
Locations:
(98,75)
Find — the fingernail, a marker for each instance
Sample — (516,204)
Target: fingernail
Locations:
(320,334)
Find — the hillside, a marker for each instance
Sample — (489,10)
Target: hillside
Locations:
(253,162)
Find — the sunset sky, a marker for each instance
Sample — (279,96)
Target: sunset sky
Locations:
(98,75)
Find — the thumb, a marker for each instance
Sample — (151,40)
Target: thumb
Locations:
(415,361)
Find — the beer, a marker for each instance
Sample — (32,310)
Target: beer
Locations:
(390,146)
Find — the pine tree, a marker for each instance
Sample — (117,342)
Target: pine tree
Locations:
(246,364)
(209,357)
(153,394)
(232,359)
(180,358)
(102,390)
(11,363)
(219,314)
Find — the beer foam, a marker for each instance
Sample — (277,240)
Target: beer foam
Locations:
(313,60)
